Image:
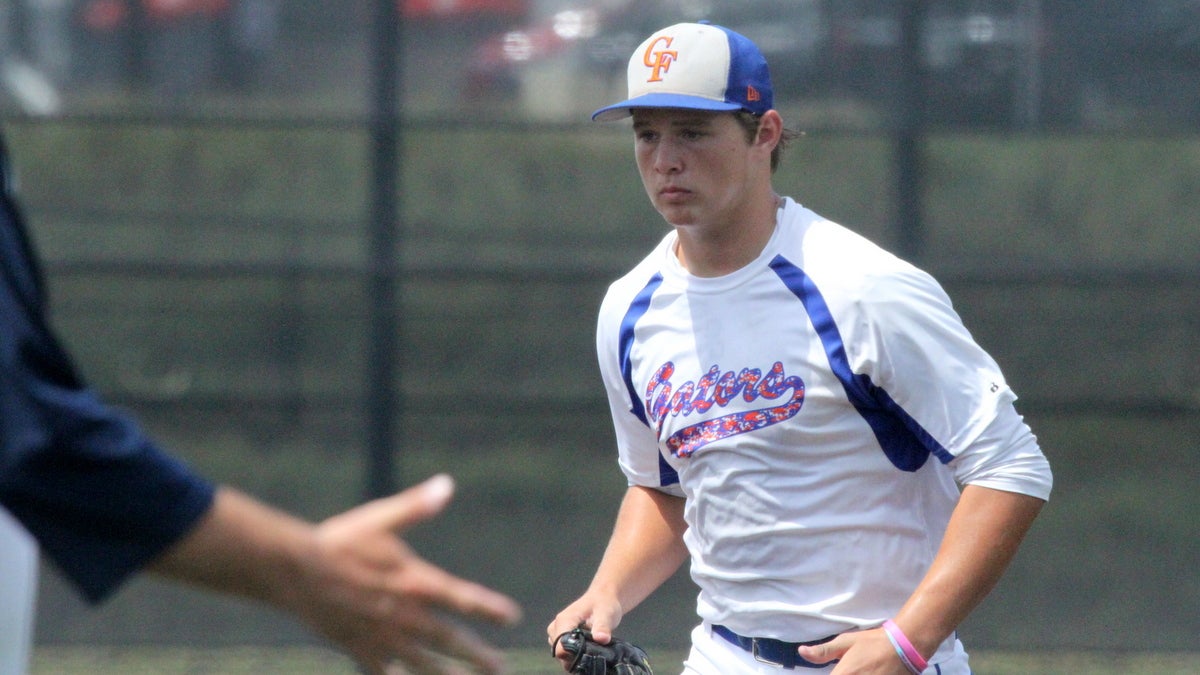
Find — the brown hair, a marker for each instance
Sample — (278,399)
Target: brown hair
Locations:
(750,122)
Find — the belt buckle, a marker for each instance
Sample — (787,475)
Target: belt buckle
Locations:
(762,659)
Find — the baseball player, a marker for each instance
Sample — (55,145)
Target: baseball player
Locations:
(797,411)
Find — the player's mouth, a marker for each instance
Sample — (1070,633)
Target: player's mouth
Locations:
(673,193)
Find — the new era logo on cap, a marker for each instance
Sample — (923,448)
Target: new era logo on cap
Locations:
(697,66)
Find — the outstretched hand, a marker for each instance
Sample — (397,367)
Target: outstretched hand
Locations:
(372,595)
(350,578)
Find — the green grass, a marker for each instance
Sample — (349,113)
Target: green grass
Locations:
(311,660)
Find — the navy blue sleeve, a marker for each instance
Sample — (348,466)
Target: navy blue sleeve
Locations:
(99,496)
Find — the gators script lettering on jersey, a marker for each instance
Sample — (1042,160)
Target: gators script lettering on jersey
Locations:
(715,388)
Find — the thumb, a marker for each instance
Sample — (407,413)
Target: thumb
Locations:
(828,651)
(602,626)
(603,635)
(405,509)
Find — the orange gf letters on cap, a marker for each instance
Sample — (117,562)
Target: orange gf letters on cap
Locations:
(659,61)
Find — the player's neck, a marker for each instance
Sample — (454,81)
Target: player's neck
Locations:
(713,251)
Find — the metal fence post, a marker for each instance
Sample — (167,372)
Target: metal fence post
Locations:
(383,397)
(909,133)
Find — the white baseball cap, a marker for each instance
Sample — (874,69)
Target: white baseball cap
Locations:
(699,66)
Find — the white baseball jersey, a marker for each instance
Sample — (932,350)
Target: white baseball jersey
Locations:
(817,409)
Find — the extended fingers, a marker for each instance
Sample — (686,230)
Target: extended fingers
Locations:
(427,582)
(449,647)
(463,644)
(416,640)
(384,603)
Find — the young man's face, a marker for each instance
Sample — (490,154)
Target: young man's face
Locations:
(698,168)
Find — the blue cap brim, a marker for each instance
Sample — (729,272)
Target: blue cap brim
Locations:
(624,109)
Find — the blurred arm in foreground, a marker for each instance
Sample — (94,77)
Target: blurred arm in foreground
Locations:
(349,577)
(104,502)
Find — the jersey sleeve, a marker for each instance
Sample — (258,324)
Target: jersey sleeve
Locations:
(1005,456)
(98,495)
(638,453)
(915,347)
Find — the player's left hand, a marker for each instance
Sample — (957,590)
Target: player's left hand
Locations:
(384,604)
(866,652)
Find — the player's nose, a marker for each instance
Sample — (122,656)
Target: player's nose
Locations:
(667,158)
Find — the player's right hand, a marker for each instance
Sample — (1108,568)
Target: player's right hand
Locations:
(866,651)
(600,617)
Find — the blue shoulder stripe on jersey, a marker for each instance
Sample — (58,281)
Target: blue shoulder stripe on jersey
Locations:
(666,474)
(905,442)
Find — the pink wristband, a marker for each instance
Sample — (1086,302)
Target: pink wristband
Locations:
(908,653)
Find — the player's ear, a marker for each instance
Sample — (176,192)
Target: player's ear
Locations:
(770,130)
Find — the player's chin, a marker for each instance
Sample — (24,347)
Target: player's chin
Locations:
(676,214)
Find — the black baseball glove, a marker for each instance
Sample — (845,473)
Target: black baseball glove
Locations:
(618,657)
